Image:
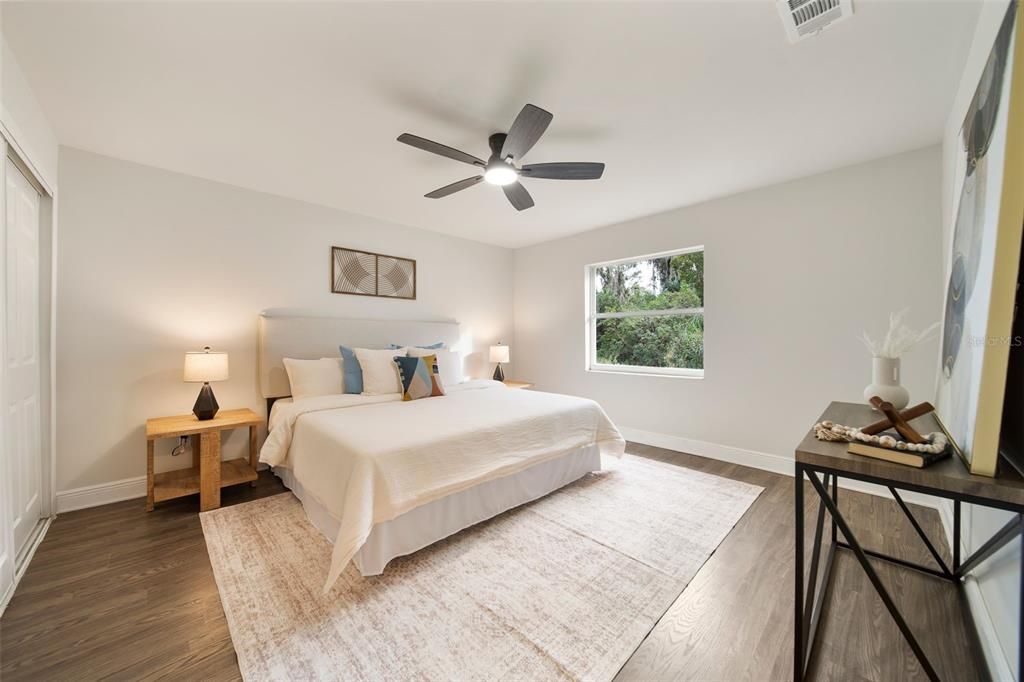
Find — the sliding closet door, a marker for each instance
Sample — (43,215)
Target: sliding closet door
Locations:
(22,355)
(6,539)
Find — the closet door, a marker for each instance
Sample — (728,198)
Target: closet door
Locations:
(22,391)
(6,539)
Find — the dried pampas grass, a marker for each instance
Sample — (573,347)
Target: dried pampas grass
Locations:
(899,339)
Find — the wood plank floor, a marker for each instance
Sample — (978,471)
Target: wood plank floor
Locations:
(116,593)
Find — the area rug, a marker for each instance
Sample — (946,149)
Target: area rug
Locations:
(562,588)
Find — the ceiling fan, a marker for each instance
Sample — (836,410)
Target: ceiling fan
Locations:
(506,151)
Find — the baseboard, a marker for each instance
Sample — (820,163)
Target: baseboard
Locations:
(107,493)
(726,453)
(999,667)
(777,464)
(103,493)
(131,488)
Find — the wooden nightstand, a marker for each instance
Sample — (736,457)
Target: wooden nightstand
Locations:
(208,473)
(517,384)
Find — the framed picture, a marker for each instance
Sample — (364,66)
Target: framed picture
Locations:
(988,187)
(364,273)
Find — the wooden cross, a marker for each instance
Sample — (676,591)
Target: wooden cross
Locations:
(898,419)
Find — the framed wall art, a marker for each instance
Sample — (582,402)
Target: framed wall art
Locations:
(983,264)
(364,273)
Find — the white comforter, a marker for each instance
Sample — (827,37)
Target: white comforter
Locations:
(370,459)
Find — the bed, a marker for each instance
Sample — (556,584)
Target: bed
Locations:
(381,478)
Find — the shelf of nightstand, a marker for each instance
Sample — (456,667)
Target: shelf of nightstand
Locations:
(182,482)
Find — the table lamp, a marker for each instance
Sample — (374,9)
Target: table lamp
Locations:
(205,367)
(499,354)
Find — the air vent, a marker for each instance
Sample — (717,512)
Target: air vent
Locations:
(805,18)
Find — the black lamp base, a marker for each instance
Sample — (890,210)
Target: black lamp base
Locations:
(498,374)
(206,404)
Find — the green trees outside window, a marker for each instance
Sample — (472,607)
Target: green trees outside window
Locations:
(650,312)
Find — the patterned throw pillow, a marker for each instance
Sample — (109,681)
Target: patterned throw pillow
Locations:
(419,377)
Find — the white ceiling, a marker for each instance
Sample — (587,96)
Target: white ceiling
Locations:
(683,101)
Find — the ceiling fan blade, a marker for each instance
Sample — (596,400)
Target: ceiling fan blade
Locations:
(454,187)
(564,171)
(518,196)
(438,148)
(529,125)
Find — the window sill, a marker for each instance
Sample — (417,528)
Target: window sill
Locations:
(648,372)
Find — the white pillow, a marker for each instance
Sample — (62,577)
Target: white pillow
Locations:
(449,366)
(380,373)
(449,363)
(310,378)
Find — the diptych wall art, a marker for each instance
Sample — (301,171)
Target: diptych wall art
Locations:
(364,273)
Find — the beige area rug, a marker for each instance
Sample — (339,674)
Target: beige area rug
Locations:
(562,588)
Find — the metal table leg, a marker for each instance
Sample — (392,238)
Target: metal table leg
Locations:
(873,577)
(1008,532)
(811,600)
(808,609)
(798,570)
(956,537)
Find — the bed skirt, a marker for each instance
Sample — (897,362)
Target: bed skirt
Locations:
(440,518)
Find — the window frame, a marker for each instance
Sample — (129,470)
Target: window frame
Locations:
(592,316)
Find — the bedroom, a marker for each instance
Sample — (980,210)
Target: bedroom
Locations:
(622,505)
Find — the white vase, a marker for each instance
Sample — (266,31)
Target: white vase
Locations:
(885,382)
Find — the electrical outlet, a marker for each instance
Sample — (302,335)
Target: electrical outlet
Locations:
(181,447)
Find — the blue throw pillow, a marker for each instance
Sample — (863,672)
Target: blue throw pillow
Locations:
(352,371)
(434,346)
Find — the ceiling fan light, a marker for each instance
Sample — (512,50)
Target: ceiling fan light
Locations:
(500,174)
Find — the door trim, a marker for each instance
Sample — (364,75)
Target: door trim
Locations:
(26,159)
(9,147)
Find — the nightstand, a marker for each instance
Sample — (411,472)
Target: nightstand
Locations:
(208,474)
(517,384)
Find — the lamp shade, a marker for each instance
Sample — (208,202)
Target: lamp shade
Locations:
(206,366)
(499,353)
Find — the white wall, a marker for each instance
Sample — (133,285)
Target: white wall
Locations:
(23,119)
(793,273)
(998,607)
(153,263)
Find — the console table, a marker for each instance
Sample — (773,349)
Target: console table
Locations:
(824,463)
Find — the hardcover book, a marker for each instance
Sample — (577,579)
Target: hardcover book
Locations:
(924,425)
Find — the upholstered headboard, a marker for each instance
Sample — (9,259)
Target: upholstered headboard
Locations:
(288,334)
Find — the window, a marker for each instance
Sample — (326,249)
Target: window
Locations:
(646,315)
